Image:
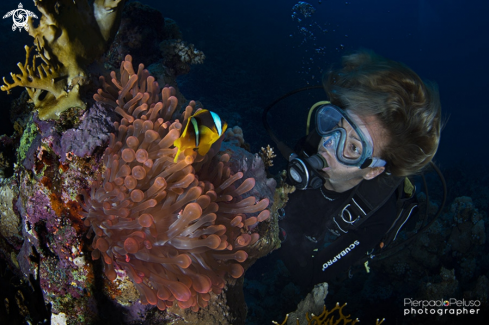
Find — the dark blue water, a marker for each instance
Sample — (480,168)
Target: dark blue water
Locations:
(255,53)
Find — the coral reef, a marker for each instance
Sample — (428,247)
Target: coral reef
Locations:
(48,163)
(70,35)
(141,30)
(313,303)
(9,222)
(43,233)
(237,134)
(333,316)
(96,125)
(180,55)
(7,155)
(446,288)
(283,190)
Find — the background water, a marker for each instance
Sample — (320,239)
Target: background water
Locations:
(256,52)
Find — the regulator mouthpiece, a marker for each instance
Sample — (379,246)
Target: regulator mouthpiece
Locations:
(303,173)
(317,162)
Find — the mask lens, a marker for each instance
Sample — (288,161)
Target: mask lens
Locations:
(331,141)
(352,147)
(339,135)
(327,119)
(347,146)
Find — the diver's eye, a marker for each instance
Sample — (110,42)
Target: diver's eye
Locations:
(353,151)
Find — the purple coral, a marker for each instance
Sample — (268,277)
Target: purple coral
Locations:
(92,132)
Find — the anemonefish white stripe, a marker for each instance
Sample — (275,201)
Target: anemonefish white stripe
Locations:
(196,129)
(217,122)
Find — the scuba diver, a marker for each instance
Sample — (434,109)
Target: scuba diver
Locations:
(382,124)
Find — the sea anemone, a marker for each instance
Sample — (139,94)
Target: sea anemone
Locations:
(177,229)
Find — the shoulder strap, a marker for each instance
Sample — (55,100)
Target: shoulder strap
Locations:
(364,201)
(406,205)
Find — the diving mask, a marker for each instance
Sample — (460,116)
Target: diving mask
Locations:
(342,136)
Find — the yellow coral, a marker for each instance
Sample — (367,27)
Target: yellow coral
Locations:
(284,189)
(70,35)
(327,317)
(267,155)
(47,77)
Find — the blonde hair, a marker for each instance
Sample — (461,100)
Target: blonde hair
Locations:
(408,108)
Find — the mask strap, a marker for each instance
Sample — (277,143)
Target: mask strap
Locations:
(374,162)
(324,102)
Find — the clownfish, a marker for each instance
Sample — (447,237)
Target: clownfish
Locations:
(201,131)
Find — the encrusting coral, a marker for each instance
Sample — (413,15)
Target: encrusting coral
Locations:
(176,228)
(70,35)
(9,222)
(180,55)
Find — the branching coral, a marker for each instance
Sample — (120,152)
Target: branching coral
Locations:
(70,35)
(267,154)
(46,85)
(328,317)
(176,228)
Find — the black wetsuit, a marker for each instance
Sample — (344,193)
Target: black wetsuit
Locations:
(311,252)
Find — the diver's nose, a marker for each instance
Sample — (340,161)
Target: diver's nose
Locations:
(328,142)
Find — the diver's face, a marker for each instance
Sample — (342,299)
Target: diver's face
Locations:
(340,177)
